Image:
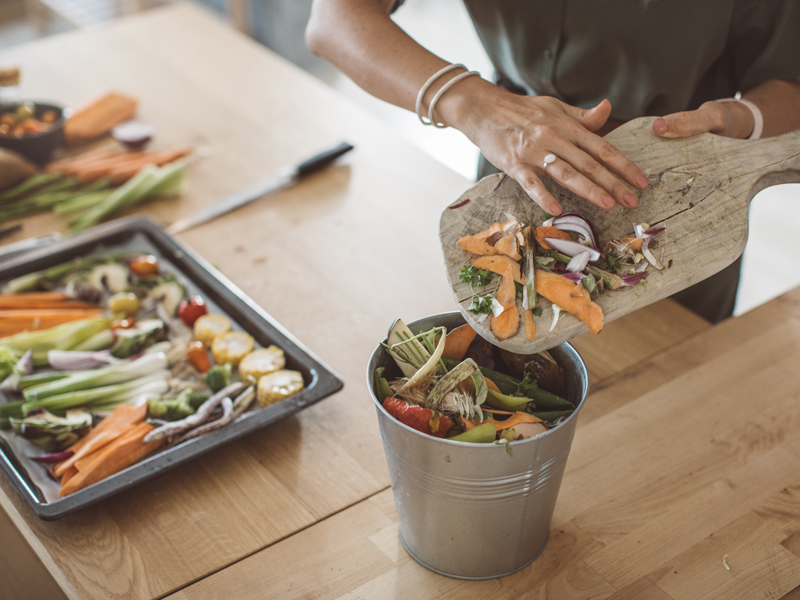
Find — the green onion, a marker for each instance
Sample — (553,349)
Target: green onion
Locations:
(93,378)
(102,396)
(60,337)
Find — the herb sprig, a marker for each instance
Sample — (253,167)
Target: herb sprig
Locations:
(473,276)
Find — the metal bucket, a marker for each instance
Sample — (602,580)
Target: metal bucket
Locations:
(470,510)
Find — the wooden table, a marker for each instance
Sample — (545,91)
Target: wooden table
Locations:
(666,475)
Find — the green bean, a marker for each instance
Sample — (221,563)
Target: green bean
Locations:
(480,434)
(503,402)
(552,415)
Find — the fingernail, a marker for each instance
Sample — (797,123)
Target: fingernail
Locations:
(629,200)
(642,181)
(554,209)
(660,126)
(608,201)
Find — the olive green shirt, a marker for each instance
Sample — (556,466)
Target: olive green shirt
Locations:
(648,57)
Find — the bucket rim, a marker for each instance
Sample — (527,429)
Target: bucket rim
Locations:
(494,445)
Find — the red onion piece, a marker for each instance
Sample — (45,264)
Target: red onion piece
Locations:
(633,279)
(572,221)
(573,277)
(571,248)
(134,134)
(578,262)
(72,360)
(55,457)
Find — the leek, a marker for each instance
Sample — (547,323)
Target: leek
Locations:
(104,397)
(60,337)
(94,378)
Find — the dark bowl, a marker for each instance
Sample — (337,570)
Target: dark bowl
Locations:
(38,147)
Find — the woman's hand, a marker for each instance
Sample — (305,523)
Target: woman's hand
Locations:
(728,119)
(516,133)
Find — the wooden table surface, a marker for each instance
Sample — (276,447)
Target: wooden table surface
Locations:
(685,451)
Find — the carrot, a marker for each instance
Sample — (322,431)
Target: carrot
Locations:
(122,173)
(457,342)
(549,232)
(17,321)
(113,458)
(530,326)
(477,244)
(41,300)
(122,416)
(508,245)
(507,324)
(498,264)
(492,385)
(572,297)
(96,443)
(68,474)
(98,169)
(518,418)
(62,166)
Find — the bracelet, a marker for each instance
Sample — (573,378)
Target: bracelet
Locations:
(441,92)
(758,118)
(423,90)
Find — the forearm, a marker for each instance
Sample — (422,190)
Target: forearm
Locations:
(779,102)
(364,43)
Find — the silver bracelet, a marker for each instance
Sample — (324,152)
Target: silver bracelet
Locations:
(439,94)
(428,84)
(758,118)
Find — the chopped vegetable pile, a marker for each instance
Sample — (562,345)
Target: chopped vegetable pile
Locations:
(106,359)
(561,261)
(459,387)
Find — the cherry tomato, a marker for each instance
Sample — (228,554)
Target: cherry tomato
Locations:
(191,310)
(145,265)
(123,323)
(197,356)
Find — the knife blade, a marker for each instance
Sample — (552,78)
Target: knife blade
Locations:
(282,178)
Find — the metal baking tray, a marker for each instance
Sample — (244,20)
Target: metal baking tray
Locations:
(221,295)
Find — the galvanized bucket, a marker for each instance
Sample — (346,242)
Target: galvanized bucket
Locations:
(470,510)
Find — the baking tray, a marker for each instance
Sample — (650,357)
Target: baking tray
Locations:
(141,234)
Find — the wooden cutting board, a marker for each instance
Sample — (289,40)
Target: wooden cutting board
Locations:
(700,189)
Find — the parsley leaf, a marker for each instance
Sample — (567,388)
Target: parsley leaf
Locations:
(482,306)
(537,312)
(613,262)
(484,277)
(466,274)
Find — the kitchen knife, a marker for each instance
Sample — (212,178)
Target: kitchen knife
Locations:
(282,178)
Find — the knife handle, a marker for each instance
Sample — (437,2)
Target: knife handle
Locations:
(322,160)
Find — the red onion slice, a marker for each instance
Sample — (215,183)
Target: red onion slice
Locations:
(53,458)
(134,134)
(571,248)
(572,221)
(633,279)
(73,360)
(573,277)
(578,262)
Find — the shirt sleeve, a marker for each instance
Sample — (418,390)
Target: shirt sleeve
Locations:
(765,41)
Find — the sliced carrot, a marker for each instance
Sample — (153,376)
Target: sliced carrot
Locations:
(477,243)
(518,418)
(113,458)
(68,474)
(492,385)
(530,326)
(549,232)
(572,297)
(122,416)
(507,324)
(97,169)
(498,264)
(41,300)
(509,246)
(13,322)
(93,445)
(457,342)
